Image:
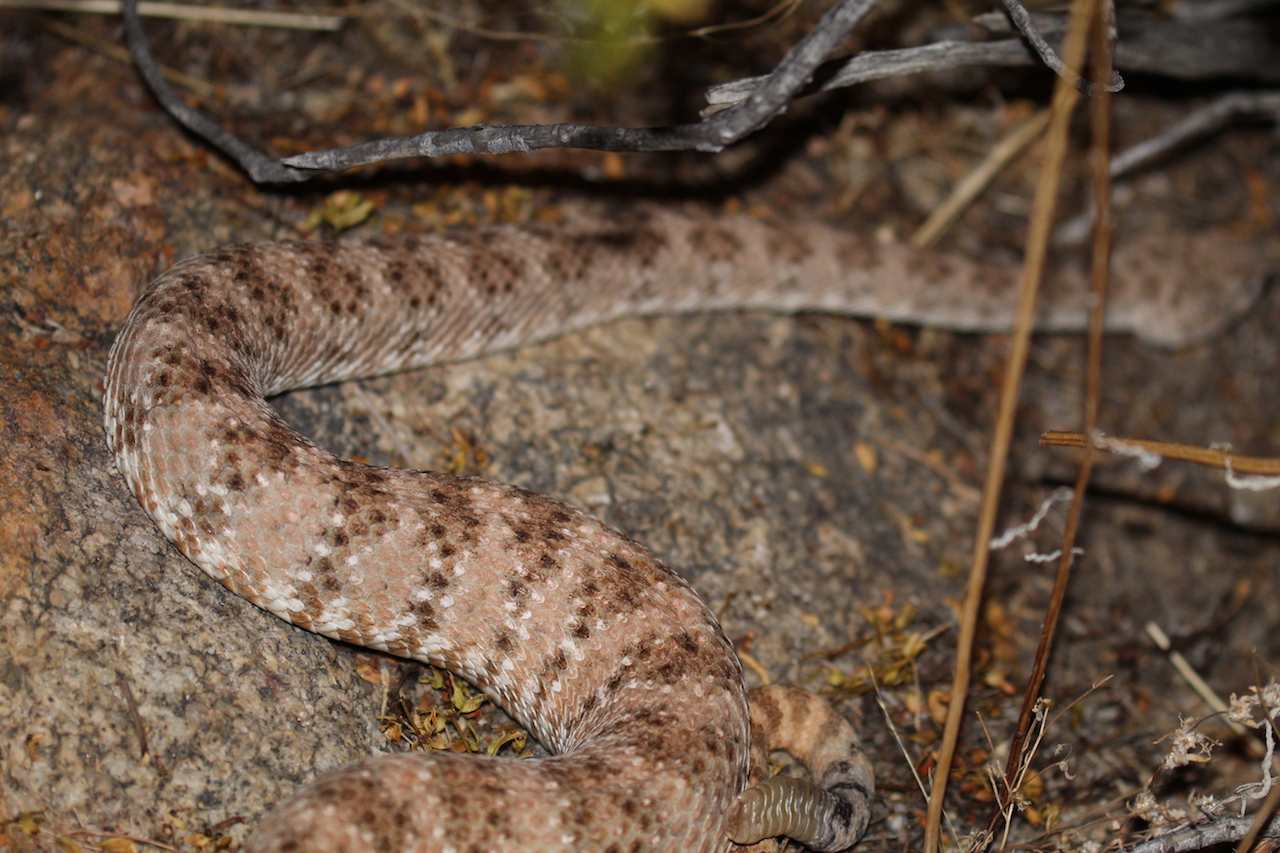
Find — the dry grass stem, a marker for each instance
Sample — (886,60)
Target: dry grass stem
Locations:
(1099,161)
(967,191)
(1064,99)
(188,12)
(1213,457)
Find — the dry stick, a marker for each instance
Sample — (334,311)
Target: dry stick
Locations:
(971,186)
(877,64)
(1255,748)
(711,135)
(1021,19)
(190,12)
(1064,99)
(873,65)
(866,66)
(1200,122)
(1099,161)
(1196,124)
(1202,836)
(1263,466)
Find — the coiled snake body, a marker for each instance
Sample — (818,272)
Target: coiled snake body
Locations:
(607,656)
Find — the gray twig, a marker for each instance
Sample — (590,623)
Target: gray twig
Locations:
(744,106)
(1206,47)
(1201,836)
(1021,19)
(1200,123)
(878,64)
(765,103)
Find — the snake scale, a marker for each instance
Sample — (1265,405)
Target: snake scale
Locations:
(600,650)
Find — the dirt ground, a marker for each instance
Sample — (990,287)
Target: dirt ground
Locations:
(815,477)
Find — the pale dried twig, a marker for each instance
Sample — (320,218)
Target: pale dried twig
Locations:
(1180,663)
(1064,99)
(971,186)
(190,12)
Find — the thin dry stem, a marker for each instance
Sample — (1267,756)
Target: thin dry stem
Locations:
(1262,466)
(1099,159)
(1065,96)
(1037,246)
(190,12)
(971,186)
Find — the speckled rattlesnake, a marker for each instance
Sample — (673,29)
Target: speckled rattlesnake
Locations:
(606,655)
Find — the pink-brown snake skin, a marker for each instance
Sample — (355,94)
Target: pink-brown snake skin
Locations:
(607,656)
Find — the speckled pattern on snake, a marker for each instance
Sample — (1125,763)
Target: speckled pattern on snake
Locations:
(606,655)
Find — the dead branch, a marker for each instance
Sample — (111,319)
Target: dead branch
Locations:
(1201,836)
(745,106)
(712,134)
(751,109)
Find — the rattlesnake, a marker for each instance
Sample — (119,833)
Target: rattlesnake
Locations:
(607,656)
